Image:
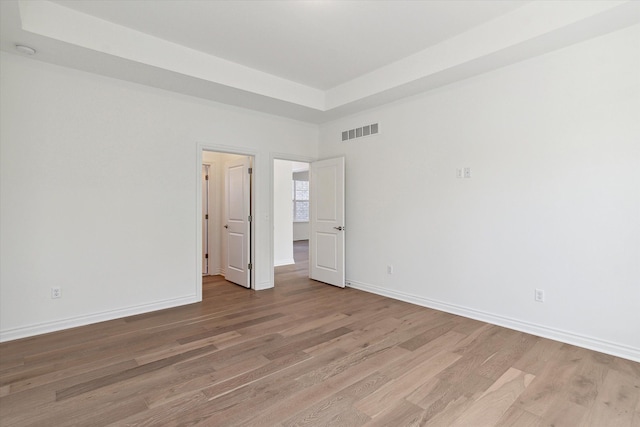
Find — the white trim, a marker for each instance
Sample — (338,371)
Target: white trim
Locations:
(212,172)
(280,262)
(218,272)
(264,285)
(73,322)
(590,343)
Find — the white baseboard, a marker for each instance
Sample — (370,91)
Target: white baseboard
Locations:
(281,262)
(72,322)
(218,272)
(263,285)
(590,343)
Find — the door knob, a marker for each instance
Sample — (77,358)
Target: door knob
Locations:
(226,226)
(339,228)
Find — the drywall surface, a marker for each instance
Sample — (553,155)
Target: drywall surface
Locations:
(300,231)
(282,213)
(553,201)
(99,193)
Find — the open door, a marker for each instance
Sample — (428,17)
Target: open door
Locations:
(326,221)
(237,224)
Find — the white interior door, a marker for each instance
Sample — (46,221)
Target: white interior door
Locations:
(327,227)
(237,223)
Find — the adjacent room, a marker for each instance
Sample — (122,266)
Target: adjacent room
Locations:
(266,213)
(290,215)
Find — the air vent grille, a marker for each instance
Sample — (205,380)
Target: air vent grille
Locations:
(360,132)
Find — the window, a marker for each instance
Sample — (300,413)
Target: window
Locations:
(300,201)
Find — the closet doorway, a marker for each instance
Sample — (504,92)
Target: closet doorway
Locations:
(227,216)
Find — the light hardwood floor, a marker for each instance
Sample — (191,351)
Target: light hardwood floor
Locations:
(306,353)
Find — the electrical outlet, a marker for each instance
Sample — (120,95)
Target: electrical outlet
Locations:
(56,292)
(389,269)
(459,173)
(539,295)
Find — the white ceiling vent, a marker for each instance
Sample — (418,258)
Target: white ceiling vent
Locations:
(367,130)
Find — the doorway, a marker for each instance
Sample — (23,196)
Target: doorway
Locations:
(290,210)
(227,216)
(310,197)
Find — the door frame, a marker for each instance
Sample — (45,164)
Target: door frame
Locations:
(241,151)
(278,156)
(206,234)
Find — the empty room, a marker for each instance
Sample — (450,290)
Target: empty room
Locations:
(323,213)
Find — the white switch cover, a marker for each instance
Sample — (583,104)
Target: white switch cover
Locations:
(56,292)
(467,172)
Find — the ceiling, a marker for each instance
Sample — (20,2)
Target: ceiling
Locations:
(317,43)
(308,60)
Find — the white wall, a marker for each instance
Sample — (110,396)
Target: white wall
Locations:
(99,193)
(553,203)
(282,213)
(300,231)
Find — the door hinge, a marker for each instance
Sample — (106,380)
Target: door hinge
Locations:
(206,216)
(206,177)
(250,171)
(206,255)
(250,218)
(250,266)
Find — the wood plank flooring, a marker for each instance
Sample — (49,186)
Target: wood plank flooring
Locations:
(311,354)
